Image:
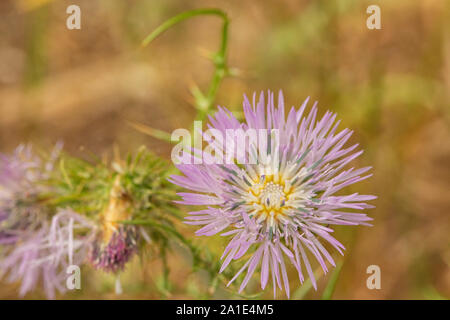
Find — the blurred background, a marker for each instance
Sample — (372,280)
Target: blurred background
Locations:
(392,86)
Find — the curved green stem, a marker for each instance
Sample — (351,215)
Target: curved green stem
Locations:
(184,16)
(203,103)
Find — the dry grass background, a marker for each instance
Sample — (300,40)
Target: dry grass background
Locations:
(392,86)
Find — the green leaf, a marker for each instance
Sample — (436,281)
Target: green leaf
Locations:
(155,133)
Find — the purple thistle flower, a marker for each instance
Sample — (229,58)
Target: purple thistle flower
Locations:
(45,253)
(281,207)
(19,174)
(37,246)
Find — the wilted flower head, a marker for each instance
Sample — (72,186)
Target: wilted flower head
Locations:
(53,218)
(116,244)
(283,206)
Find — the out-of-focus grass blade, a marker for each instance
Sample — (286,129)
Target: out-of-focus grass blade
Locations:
(155,133)
(254,296)
(430,293)
(331,285)
(163,286)
(301,292)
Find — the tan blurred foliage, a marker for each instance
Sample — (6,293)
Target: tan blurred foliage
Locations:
(392,86)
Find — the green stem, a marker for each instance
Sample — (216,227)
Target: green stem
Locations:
(199,261)
(166,269)
(331,286)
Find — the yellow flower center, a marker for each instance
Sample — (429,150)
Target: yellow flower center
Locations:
(270,195)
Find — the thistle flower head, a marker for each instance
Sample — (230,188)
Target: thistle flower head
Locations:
(53,217)
(283,204)
(44,254)
(19,177)
(38,244)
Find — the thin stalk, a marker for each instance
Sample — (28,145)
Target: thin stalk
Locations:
(181,17)
(203,102)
